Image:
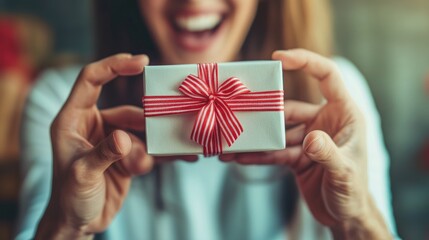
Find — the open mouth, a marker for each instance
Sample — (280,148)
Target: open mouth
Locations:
(197,32)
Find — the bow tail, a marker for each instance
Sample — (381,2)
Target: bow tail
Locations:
(207,131)
(214,146)
(204,125)
(229,125)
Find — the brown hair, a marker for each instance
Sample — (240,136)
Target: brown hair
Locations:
(287,24)
(278,24)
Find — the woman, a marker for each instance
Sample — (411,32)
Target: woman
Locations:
(104,182)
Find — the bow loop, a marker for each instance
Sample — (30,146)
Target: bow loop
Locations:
(232,88)
(209,73)
(195,87)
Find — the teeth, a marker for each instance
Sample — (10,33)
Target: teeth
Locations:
(199,23)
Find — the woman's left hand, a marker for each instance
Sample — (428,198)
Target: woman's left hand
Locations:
(326,150)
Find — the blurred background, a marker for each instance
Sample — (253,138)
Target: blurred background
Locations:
(388,40)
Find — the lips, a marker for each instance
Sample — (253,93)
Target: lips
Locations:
(197,31)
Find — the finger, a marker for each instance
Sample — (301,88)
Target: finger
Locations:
(116,146)
(125,117)
(295,135)
(88,85)
(252,158)
(227,157)
(323,69)
(138,162)
(320,148)
(298,112)
(186,158)
(288,156)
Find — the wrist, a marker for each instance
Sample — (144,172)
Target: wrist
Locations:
(54,226)
(369,224)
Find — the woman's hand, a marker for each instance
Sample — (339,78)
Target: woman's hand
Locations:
(93,162)
(326,150)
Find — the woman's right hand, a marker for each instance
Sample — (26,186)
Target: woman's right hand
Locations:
(93,165)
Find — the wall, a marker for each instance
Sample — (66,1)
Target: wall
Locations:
(70,21)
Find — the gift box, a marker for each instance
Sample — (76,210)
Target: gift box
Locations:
(214,108)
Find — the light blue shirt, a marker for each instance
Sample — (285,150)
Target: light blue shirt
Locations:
(204,200)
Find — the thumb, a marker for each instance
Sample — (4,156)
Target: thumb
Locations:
(116,146)
(320,148)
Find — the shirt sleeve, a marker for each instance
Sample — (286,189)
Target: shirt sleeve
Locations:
(43,103)
(378,158)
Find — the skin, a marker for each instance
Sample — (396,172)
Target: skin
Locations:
(95,157)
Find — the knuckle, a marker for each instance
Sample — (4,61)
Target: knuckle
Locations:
(78,172)
(331,66)
(335,69)
(88,72)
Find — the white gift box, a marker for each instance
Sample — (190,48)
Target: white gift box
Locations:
(170,134)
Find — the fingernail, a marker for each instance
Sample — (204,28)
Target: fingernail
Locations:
(289,53)
(279,53)
(315,146)
(141,56)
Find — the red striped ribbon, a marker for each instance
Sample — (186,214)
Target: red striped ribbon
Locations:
(215,106)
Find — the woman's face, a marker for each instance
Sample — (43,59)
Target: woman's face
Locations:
(198,31)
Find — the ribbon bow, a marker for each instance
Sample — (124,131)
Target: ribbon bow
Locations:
(215,105)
